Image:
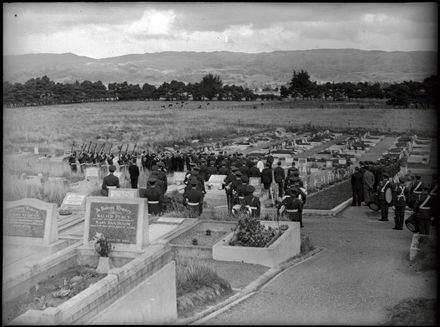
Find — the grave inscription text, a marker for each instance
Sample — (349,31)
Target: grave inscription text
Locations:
(25,221)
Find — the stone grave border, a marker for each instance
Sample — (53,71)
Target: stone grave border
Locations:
(285,247)
(112,193)
(50,233)
(141,225)
(81,308)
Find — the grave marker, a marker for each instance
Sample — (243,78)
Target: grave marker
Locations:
(30,221)
(126,193)
(73,201)
(179,177)
(124,222)
(255,182)
(216,181)
(92,172)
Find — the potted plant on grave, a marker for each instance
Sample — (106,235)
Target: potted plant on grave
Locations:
(102,247)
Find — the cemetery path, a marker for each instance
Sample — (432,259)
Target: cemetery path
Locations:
(374,153)
(363,270)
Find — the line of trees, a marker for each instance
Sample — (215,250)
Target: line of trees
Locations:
(419,94)
(43,91)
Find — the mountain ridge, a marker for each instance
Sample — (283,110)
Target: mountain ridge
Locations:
(247,69)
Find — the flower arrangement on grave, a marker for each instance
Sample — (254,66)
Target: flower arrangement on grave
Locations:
(102,245)
(250,232)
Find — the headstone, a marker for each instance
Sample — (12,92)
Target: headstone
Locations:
(329,164)
(255,182)
(92,172)
(289,161)
(73,201)
(130,193)
(30,222)
(36,150)
(124,222)
(342,161)
(179,177)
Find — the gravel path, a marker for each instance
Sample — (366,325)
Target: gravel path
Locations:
(363,270)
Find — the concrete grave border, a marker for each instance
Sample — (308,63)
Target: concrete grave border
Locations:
(122,192)
(285,247)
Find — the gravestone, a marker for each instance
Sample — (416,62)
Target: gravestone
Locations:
(126,193)
(342,161)
(92,174)
(255,182)
(329,164)
(34,179)
(289,161)
(73,201)
(124,222)
(216,181)
(179,177)
(30,222)
(36,150)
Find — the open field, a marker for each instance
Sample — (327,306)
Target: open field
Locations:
(156,122)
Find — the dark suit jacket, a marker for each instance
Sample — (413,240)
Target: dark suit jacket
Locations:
(133,170)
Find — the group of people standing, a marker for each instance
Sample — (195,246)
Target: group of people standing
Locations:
(377,185)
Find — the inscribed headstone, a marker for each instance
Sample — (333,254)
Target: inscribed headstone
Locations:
(73,201)
(31,220)
(124,222)
(130,193)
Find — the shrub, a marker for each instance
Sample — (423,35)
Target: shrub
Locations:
(250,232)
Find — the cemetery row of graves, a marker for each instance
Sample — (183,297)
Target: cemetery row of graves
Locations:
(113,246)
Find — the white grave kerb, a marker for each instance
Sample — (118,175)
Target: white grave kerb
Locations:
(73,200)
(126,193)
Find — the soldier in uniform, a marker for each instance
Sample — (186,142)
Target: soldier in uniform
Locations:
(234,186)
(109,180)
(401,196)
(72,162)
(266,178)
(154,196)
(291,205)
(368,184)
(422,208)
(161,175)
(227,186)
(254,171)
(134,173)
(193,199)
(242,189)
(223,170)
(252,203)
(383,186)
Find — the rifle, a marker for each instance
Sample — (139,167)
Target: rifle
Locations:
(82,146)
(132,153)
(102,147)
(120,149)
(110,148)
(90,144)
(127,148)
(96,144)
(71,149)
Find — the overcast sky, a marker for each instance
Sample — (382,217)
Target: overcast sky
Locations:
(102,30)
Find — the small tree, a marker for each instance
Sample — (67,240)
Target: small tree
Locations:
(211,85)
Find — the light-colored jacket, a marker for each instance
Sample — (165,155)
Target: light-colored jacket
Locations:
(368,179)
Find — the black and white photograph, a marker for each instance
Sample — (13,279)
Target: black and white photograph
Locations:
(220,163)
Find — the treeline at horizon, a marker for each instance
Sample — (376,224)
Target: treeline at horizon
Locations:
(43,91)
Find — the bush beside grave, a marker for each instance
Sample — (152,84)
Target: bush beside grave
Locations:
(250,232)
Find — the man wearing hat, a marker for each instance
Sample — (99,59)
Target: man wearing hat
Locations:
(109,180)
(401,197)
(422,208)
(154,196)
(292,205)
(383,187)
(223,170)
(242,190)
(266,177)
(133,169)
(161,175)
(193,199)
(252,203)
(254,171)
(368,184)
(235,185)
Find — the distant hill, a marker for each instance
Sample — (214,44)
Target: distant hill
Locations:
(252,70)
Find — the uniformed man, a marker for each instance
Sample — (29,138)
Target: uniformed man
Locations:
(401,196)
(235,185)
(383,187)
(227,186)
(368,184)
(134,173)
(193,199)
(154,196)
(254,171)
(266,178)
(290,205)
(109,180)
(161,175)
(242,189)
(252,203)
(357,184)
(422,208)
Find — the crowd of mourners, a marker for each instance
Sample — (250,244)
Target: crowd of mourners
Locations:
(379,186)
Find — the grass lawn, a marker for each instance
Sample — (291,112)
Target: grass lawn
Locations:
(330,198)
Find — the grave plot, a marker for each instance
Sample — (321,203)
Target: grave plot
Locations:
(330,198)
(132,261)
